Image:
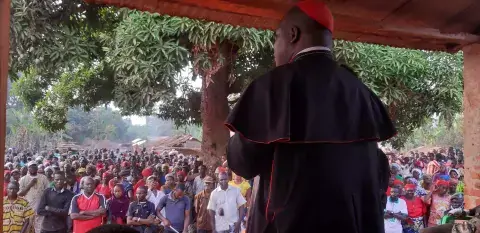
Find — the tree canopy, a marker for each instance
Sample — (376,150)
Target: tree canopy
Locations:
(70,54)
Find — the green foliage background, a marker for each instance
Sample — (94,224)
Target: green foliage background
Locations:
(68,54)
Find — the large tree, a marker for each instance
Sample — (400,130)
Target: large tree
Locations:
(72,54)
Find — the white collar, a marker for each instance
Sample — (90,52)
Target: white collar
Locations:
(314,48)
(219,188)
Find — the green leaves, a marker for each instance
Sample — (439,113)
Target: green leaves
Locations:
(414,84)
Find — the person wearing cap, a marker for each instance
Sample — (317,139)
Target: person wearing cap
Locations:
(177,210)
(142,182)
(200,204)
(32,186)
(15,175)
(127,186)
(416,209)
(294,122)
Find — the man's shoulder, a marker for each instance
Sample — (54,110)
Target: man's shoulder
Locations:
(234,189)
(265,80)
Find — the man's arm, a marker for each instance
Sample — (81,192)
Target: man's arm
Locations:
(211,207)
(62,211)
(75,211)
(24,188)
(161,205)
(187,221)
(211,213)
(102,209)
(248,159)
(41,209)
(241,210)
(187,214)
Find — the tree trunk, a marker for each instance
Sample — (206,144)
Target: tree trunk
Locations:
(215,109)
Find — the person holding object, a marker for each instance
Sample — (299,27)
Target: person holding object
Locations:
(395,212)
(226,207)
(294,122)
(177,208)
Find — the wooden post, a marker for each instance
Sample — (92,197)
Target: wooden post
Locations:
(4,55)
(471,124)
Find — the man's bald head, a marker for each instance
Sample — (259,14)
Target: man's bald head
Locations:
(298,31)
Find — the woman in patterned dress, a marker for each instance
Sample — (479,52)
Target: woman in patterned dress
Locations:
(439,201)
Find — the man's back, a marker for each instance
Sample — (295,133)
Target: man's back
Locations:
(314,144)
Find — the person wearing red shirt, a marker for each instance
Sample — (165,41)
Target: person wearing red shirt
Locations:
(103,188)
(88,208)
(145,173)
(6,175)
(416,209)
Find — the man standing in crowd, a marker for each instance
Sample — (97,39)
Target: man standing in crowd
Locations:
(88,208)
(17,212)
(201,203)
(294,122)
(31,187)
(54,206)
(177,209)
(395,212)
(198,184)
(226,206)
(141,213)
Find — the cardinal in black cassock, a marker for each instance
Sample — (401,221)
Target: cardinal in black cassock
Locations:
(309,128)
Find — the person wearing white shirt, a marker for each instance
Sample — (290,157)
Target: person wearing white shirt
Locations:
(225,206)
(154,195)
(395,212)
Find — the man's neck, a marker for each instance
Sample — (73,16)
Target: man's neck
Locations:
(88,194)
(13,198)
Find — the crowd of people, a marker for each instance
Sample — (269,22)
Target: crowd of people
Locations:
(53,192)
(425,190)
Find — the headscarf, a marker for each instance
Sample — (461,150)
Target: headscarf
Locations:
(397,166)
(419,172)
(118,207)
(147,172)
(455,170)
(397,182)
(442,182)
(410,186)
(182,173)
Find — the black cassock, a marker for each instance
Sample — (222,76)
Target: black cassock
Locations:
(310,130)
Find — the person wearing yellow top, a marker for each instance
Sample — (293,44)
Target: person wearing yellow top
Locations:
(243,185)
(17,213)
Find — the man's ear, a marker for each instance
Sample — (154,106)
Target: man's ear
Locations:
(294,34)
